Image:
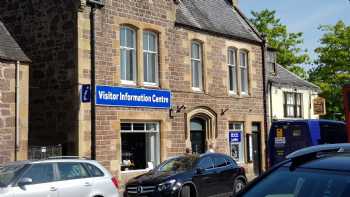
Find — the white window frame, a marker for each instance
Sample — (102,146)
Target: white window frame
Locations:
(200,70)
(134,49)
(157,141)
(233,66)
(241,144)
(246,67)
(145,64)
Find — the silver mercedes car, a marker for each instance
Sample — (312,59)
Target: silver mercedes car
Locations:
(57,178)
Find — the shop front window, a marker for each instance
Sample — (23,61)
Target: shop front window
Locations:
(236,139)
(140,145)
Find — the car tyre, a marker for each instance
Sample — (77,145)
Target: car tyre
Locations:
(186,191)
(238,186)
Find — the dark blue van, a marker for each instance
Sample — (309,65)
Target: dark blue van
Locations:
(286,136)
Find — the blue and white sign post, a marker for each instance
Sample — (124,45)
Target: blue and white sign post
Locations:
(132,97)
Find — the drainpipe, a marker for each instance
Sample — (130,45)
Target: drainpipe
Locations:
(93,83)
(263,48)
(17,133)
(94,4)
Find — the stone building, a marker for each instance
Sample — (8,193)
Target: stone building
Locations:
(14,71)
(169,75)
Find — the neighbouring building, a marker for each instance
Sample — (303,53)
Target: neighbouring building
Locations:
(289,96)
(169,75)
(14,72)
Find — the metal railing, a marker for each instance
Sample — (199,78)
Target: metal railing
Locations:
(44,152)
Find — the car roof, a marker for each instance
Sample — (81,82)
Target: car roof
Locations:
(340,162)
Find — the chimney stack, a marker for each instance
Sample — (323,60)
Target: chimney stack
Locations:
(235,3)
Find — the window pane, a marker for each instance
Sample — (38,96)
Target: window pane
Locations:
(195,80)
(233,80)
(244,80)
(139,126)
(130,65)
(40,173)
(122,37)
(125,126)
(151,67)
(145,41)
(123,61)
(232,57)
(152,42)
(195,51)
(243,59)
(130,35)
(71,171)
(151,126)
(145,67)
(206,163)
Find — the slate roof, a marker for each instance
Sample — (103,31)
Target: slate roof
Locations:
(216,16)
(286,78)
(9,48)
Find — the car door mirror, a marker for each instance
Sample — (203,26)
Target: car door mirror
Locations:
(200,170)
(25,181)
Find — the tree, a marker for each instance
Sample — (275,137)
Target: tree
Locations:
(289,54)
(333,67)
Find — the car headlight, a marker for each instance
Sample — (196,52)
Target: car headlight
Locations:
(167,185)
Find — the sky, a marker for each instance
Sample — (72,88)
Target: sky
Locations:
(303,16)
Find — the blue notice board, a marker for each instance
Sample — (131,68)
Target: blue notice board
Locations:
(132,97)
(235,136)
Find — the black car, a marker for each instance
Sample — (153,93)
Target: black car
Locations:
(318,171)
(190,176)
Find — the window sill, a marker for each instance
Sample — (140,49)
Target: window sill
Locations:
(130,83)
(233,94)
(198,90)
(151,85)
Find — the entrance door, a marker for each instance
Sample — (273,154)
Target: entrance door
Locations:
(198,135)
(256,148)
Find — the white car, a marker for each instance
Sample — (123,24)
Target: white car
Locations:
(57,178)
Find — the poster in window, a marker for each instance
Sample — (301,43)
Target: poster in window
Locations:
(235,151)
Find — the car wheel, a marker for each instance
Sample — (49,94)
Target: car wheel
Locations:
(186,191)
(238,186)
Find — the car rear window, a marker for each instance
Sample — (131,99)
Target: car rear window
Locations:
(302,183)
(70,171)
(93,170)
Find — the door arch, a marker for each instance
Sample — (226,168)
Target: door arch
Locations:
(201,119)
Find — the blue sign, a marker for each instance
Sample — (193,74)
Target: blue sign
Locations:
(132,97)
(235,136)
(85,93)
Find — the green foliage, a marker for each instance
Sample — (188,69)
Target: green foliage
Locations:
(333,67)
(289,54)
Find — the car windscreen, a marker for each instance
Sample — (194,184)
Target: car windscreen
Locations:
(302,183)
(178,164)
(9,173)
